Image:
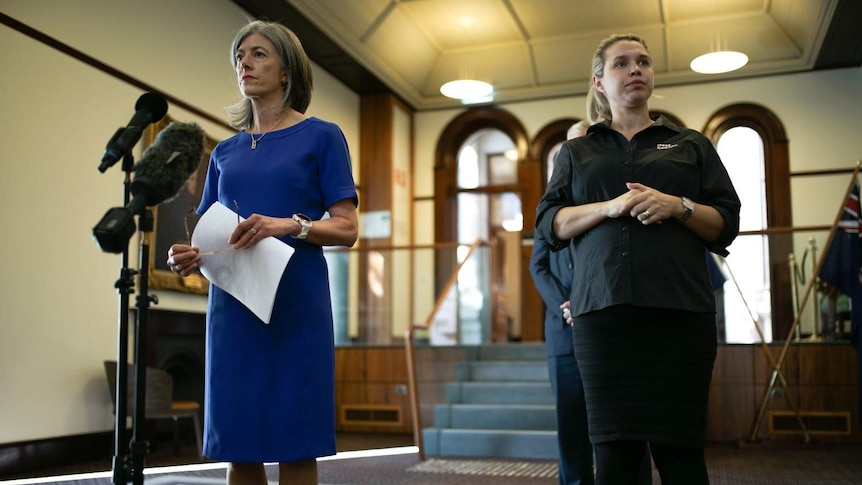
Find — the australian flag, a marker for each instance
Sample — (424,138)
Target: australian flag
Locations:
(842,268)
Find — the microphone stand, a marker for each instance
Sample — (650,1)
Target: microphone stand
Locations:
(125,286)
(128,460)
(139,446)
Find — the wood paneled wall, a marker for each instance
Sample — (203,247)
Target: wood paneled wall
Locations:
(376,378)
(820,377)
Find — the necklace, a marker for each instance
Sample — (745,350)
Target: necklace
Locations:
(255,140)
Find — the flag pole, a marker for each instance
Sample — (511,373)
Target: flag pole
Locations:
(776,370)
(776,374)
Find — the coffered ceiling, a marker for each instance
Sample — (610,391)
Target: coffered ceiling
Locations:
(534,49)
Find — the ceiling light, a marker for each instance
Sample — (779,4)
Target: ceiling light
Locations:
(467,89)
(719,62)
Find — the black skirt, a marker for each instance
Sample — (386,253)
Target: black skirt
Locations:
(646,373)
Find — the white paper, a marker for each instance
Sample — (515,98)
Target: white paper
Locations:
(250,275)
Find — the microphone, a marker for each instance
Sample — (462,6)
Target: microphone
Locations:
(163,169)
(149,108)
(166,165)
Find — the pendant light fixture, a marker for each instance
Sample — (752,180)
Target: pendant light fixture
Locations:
(718,62)
(468,91)
(719,59)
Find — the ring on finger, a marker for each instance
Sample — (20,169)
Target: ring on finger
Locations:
(646,214)
(253,231)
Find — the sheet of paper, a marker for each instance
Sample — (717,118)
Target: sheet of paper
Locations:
(250,275)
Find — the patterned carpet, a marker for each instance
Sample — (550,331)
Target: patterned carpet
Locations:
(728,465)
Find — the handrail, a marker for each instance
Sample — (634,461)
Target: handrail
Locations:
(784,230)
(389,247)
(412,384)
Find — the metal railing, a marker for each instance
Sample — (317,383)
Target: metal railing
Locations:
(413,386)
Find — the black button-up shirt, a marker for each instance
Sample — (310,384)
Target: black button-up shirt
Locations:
(622,261)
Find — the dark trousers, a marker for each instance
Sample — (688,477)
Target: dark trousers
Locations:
(618,463)
(573,438)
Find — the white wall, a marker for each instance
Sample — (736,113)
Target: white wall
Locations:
(58,306)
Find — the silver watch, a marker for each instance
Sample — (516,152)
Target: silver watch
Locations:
(687,210)
(304,223)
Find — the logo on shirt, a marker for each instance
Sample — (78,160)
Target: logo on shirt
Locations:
(665,146)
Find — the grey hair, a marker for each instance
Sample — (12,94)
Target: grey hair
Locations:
(598,108)
(580,126)
(294,62)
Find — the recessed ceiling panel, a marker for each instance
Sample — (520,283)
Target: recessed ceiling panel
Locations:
(687,10)
(356,17)
(403,49)
(456,24)
(552,18)
(502,66)
(757,36)
(787,14)
(562,60)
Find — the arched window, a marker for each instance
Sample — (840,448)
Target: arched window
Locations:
(741,151)
(479,181)
(547,144)
(768,202)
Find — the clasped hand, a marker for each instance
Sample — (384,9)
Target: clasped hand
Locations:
(644,203)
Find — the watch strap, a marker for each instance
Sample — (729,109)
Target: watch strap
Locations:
(304,225)
(687,210)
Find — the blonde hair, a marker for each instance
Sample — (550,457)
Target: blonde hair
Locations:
(598,108)
(294,62)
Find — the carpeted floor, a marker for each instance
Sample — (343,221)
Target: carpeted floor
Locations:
(728,465)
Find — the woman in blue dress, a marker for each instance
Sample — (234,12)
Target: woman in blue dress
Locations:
(270,387)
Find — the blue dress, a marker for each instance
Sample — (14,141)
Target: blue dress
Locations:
(269,394)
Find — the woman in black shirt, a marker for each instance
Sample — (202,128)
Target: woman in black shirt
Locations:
(640,199)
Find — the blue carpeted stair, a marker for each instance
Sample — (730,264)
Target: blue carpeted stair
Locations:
(501,405)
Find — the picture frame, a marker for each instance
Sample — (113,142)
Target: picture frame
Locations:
(169,225)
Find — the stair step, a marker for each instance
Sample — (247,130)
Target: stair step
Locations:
(501,371)
(490,443)
(499,393)
(541,417)
(501,405)
(531,351)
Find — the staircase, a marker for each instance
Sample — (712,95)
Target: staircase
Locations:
(501,405)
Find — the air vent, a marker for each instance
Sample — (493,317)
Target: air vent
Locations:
(817,422)
(371,414)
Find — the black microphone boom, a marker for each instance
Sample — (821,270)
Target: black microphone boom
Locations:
(149,108)
(161,172)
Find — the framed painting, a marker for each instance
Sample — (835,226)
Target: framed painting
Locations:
(172,218)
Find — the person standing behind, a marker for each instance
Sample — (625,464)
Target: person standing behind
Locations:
(553,273)
(639,200)
(270,388)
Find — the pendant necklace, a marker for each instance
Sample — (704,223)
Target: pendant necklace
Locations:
(254,141)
